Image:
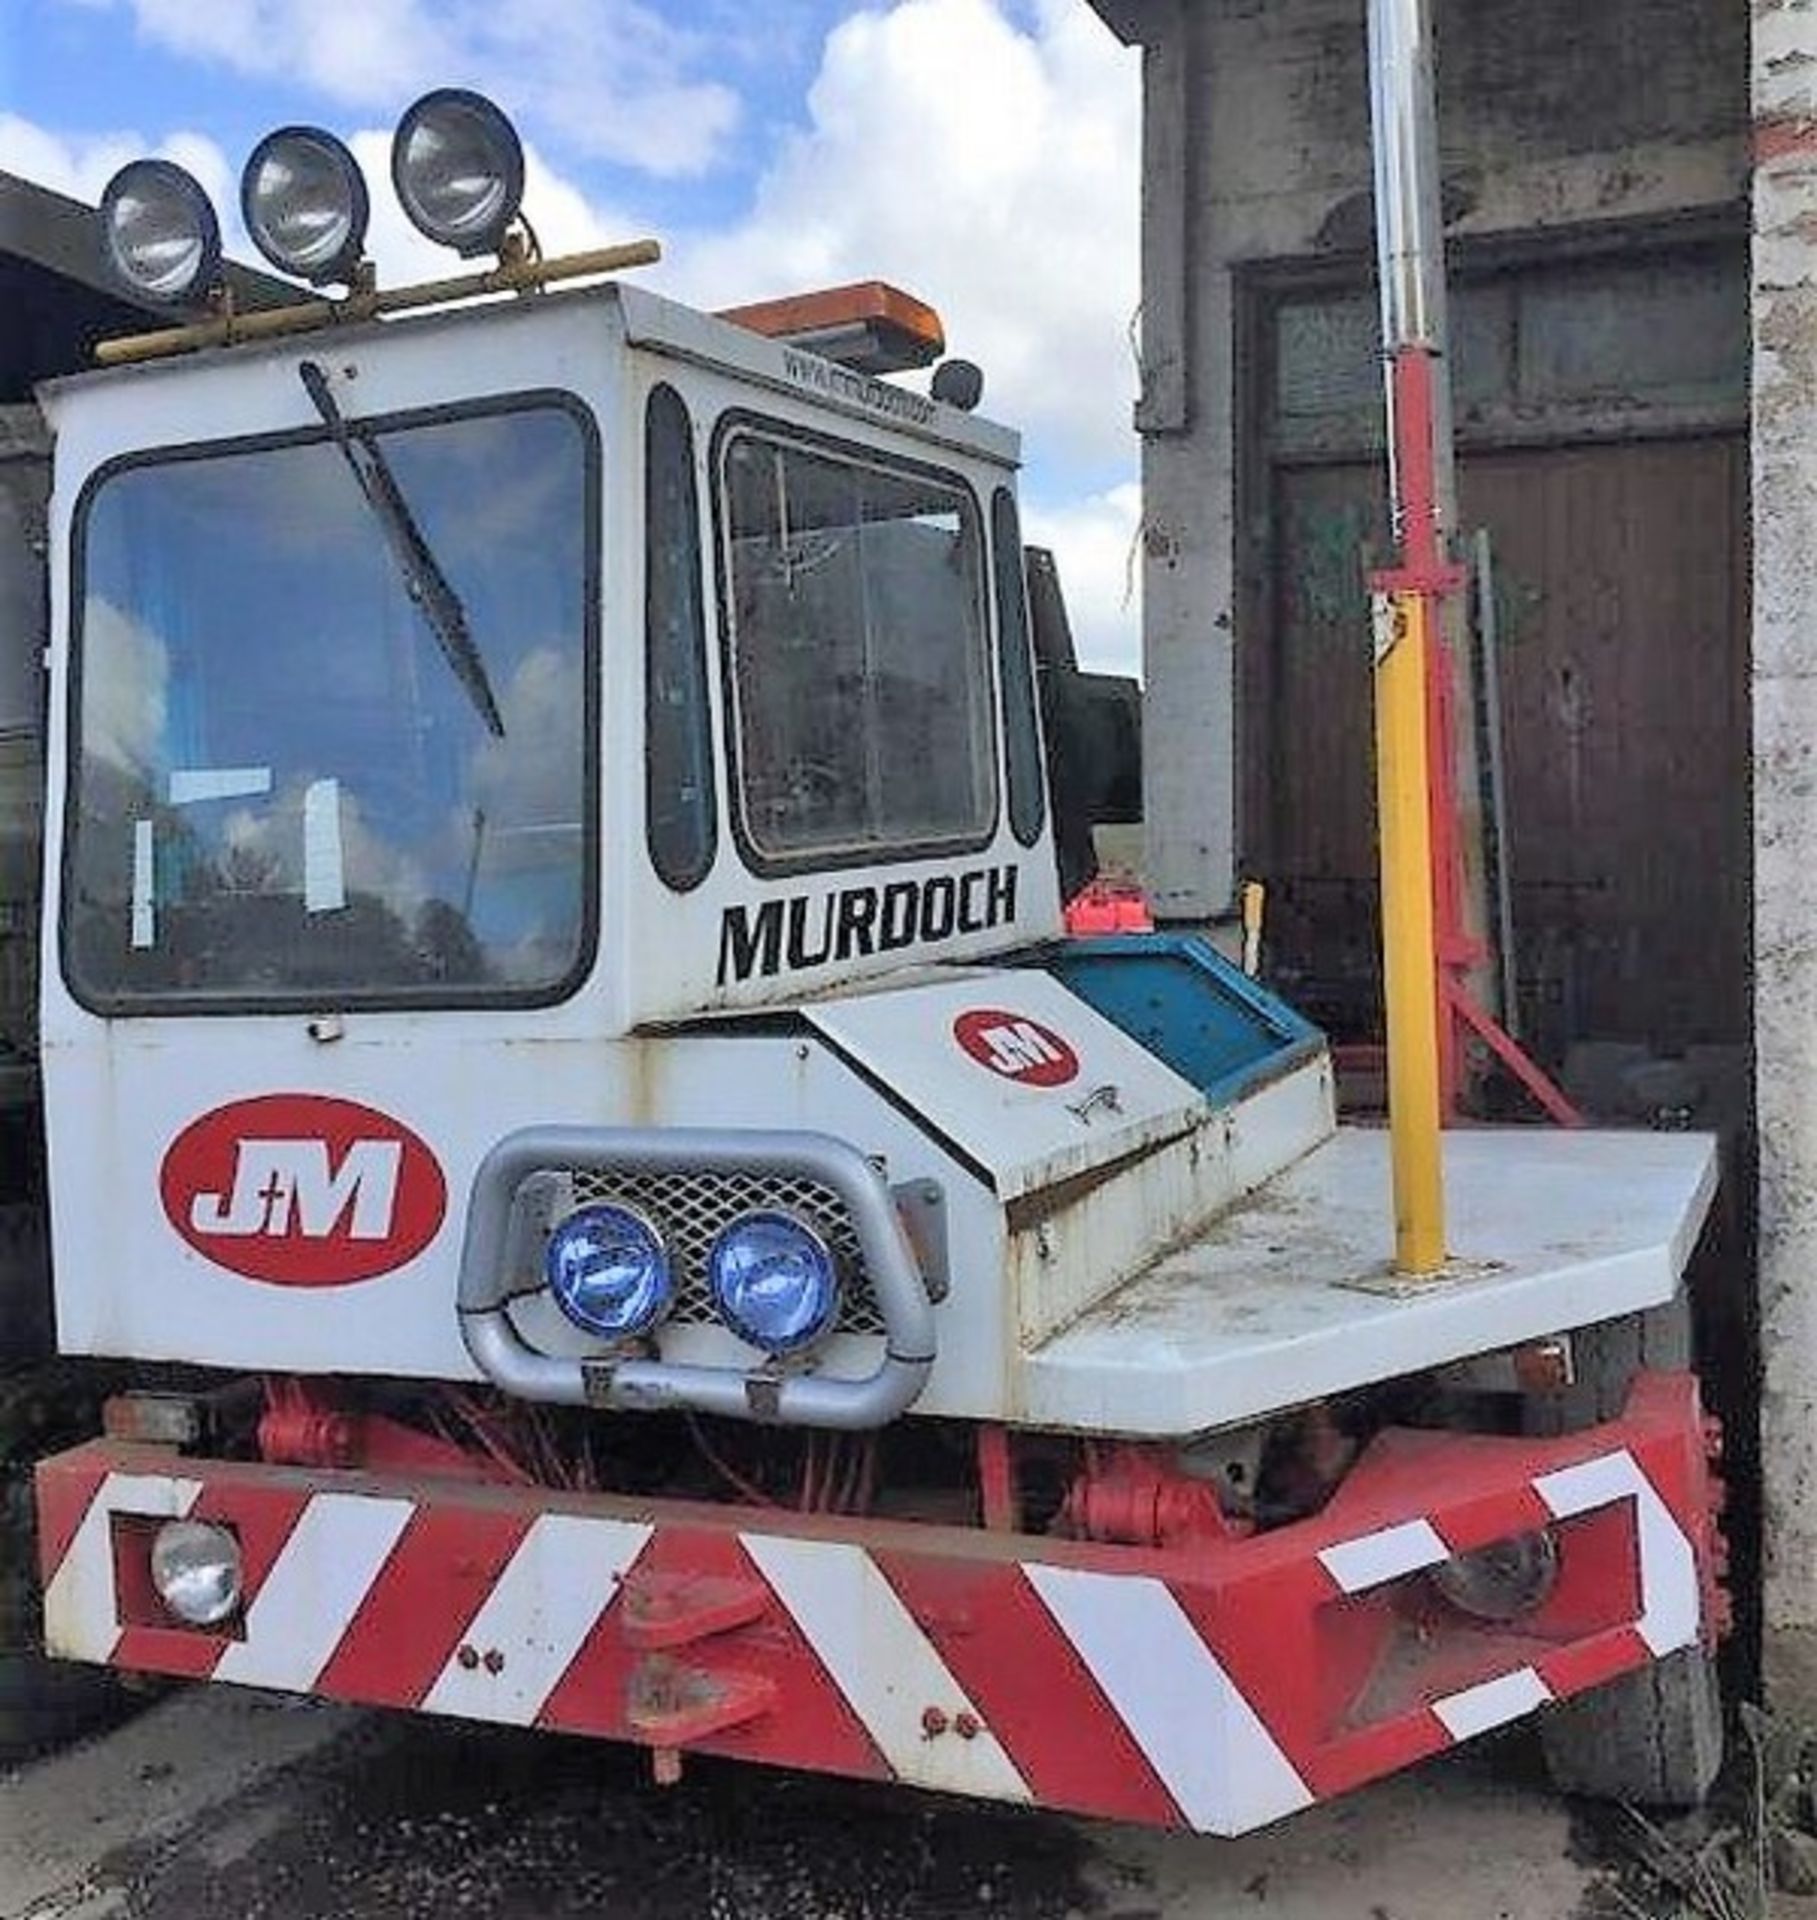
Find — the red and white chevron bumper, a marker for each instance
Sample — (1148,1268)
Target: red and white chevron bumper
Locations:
(1218,1688)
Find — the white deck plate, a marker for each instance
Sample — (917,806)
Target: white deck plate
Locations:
(1263,1313)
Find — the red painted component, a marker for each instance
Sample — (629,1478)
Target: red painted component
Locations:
(664,1610)
(997,1480)
(1135,1499)
(810,1717)
(389,1446)
(413,1623)
(1034,1692)
(1214,1682)
(303,1190)
(1108,906)
(1424,568)
(1542,1366)
(1549,1096)
(1718,1599)
(672,1705)
(152,1641)
(302,1427)
(1016,1047)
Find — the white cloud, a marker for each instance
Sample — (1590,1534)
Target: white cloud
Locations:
(990,165)
(989,170)
(1094,543)
(565,220)
(80,165)
(125,689)
(524,789)
(611,78)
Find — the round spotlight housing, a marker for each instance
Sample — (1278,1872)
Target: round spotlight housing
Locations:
(458,167)
(304,202)
(774,1281)
(196,1570)
(1502,1581)
(161,235)
(609,1271)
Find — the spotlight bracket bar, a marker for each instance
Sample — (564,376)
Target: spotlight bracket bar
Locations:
(511,276)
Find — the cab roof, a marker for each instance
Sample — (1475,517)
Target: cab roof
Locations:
(648,321)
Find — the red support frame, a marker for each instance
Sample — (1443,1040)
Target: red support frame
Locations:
(1424,568)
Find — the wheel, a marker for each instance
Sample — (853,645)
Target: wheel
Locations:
(43,1703)
(46,1704)
(1652,1737)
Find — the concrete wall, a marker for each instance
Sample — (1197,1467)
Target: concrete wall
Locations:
(1552,113)
(1785,823)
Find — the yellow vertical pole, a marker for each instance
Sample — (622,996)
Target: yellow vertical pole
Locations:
(1410,971)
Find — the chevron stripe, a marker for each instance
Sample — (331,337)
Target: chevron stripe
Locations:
(1069,1681)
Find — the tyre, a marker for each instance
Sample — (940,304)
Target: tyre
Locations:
(1654,1737)
(43,1703)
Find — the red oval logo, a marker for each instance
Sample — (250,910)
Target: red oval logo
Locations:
(1016,1047)
(302,1190)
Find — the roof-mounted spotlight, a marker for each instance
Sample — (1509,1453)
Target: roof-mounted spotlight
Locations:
(305,204)
(958,383)
(160,232)
(458,167)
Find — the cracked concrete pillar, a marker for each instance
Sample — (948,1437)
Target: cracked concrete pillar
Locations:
(1186,416)
(1785,822)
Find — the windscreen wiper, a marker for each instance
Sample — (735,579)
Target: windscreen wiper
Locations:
(424,580)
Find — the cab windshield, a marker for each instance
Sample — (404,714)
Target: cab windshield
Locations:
(302,777)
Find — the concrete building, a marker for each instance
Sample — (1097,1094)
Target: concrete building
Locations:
(1630,193)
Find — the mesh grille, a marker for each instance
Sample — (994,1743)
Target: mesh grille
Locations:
(693,1208)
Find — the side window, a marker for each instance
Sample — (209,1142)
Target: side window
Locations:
(1022,732)
(678,765)
(859,653)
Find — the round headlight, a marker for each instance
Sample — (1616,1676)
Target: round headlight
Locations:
(774,1281)
(195,1567)
(162,238)
(458,167)
(609,1271)
(304,202)
(1503,1580)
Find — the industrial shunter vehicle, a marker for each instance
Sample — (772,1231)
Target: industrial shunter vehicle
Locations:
(567,1086)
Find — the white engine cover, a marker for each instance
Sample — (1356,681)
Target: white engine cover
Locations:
(1025,1080)
(289,1204)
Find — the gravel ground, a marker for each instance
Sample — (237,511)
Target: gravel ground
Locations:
(222,1805)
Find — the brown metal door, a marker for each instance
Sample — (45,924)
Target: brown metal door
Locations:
(1621,583)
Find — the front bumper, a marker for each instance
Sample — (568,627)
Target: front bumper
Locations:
(1217,1688)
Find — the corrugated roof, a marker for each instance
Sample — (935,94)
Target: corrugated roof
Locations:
(1134,22)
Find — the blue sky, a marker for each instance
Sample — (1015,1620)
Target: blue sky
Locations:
(982,153)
